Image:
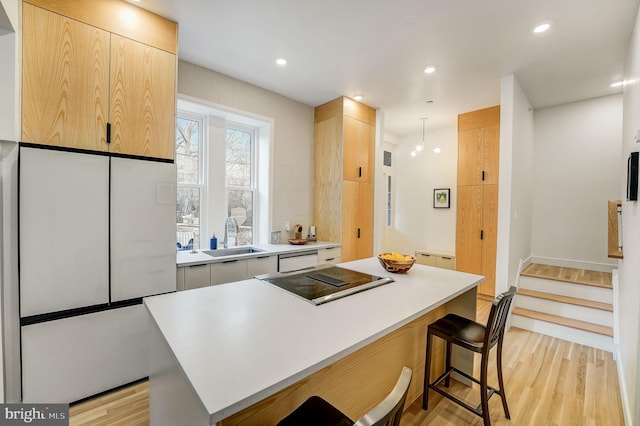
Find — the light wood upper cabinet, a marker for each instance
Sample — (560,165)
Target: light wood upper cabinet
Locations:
(65,81)
(491,154)
(358,150)
(142,112)
(478,153)
(79,74)
(470,155)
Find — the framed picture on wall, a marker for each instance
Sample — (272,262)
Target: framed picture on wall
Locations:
(441,198)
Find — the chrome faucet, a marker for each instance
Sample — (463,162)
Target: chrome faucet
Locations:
(230,232)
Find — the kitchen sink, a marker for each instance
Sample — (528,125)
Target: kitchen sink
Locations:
(233,251)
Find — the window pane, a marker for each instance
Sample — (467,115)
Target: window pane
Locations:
(241,208)
(188,217)
(187,150)
(238,154)
(389,201)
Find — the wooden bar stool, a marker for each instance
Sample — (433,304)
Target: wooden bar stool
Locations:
(475,337)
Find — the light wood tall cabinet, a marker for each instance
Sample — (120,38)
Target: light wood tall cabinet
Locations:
(477,211)
(94,80)
(344,151)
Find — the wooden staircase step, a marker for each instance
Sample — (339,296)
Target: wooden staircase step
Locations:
(568,322)
(566,299)
(569,275)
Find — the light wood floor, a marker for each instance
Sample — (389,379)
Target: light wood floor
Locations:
(548,382)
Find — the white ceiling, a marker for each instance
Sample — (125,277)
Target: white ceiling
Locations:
(379,48)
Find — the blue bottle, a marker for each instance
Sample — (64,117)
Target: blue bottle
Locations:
(213,242)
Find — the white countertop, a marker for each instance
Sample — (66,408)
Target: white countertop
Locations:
(186,257)
(241,342)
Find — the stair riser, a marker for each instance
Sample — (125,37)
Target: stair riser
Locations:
(566,310)
(561,332)
(597,294)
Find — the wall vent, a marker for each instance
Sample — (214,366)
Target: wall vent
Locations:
(387,158)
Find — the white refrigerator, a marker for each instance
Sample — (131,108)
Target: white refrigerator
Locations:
(97,233)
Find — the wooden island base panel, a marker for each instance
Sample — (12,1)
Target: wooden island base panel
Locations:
(359,381)
(248,353)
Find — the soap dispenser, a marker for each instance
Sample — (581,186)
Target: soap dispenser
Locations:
(213,242)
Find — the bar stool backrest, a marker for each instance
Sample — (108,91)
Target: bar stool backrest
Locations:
(389,411)
(498,318)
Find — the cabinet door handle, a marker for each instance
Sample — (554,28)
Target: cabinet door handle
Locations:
(359,171)
(197,266)
(108,132)
(447,258)
(358,232)
(263,257)
(330,259)
(481,234)
(483,175)
(425,255)
(230,261)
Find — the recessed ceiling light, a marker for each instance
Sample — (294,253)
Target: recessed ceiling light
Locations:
(436,150)
(358,97)
(281,61)
(541,28)
(430,69)
(617,84)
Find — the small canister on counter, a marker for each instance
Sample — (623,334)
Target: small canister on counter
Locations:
(213,242)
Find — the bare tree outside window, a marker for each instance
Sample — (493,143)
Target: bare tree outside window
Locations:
(240,180)
(189,180)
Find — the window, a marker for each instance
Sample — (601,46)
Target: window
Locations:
(389,200)
(240,179)
(223,158)
(190,182)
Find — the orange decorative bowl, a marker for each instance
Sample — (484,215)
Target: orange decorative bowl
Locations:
(394,262)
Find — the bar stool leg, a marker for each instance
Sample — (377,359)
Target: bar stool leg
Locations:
(483,389)
(427,373)
(503,395)
(448,365)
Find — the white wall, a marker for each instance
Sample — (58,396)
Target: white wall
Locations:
(629,273)
(576,170)
(516,175)
(9,71)
(292,194)
(10,9)
(416,224)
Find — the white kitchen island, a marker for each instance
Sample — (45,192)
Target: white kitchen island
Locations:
(249,352)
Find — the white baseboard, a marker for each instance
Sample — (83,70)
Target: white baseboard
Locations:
(624,393)
(578,264)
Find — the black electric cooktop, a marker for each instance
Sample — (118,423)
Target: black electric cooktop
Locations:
(322,285)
